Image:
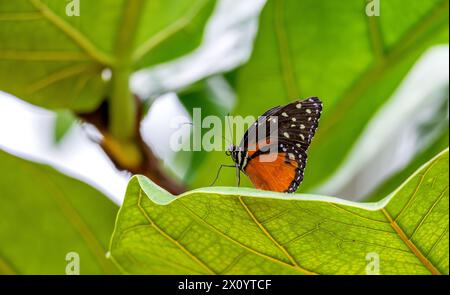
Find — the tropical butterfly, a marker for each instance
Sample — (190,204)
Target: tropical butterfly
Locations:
(285,145)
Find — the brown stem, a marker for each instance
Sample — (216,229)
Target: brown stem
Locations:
(134,156)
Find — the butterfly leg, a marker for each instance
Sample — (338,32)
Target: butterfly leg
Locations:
(238,176)
(218,172)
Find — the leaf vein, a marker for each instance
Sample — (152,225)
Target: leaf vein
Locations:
(424,217)
(266,232)
(410,244)
(216,230)
(441,236)
(169,238)
(172,29)
(413,196)
(60,75)
(43,55)
(72,33)
(20,16)
(287,71)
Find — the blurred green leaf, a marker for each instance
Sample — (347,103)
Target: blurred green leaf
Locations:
(212,100)
(331,49)
(64,120)
(389,184)
(246,231)
(46,215)
(44,52)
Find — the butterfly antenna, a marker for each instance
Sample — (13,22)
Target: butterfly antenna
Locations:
(96,138)
(229,127)
(226,140)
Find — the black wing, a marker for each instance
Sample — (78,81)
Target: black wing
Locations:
(297,124)
(298,119)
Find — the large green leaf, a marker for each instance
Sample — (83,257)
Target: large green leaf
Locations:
(246,231)
(331,49)
(44,52)
(45,215)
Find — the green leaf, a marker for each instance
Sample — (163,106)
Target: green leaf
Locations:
(246,231)
(46,215)
(64,120)
(331,49)
(44,52)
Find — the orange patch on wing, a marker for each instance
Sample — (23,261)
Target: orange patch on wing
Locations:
(274,176)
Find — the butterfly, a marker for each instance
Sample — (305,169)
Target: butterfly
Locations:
(282,135)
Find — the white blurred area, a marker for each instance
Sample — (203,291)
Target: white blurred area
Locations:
(227,43)
(27,131)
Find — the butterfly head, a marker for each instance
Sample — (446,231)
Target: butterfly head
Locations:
(236,153)
(232,151)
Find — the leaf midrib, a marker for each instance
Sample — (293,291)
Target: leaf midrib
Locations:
(414,249)
(399,230)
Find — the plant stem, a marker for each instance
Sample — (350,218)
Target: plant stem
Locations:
(122,106)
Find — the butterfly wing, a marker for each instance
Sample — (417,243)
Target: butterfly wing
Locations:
(297,124)
(274,176)
(251,135)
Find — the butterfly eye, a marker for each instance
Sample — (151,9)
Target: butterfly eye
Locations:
(228,153)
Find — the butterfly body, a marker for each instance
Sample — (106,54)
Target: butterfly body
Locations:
(272,152)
